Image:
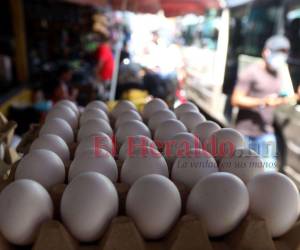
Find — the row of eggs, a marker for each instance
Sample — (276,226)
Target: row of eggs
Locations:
(153,200)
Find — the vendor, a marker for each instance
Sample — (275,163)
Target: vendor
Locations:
(105,63)
(257,94)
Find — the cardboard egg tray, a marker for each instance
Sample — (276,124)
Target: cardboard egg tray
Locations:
(188,233)
(7,131)
(28,138)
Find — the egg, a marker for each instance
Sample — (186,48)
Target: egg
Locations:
(122,107)
(97,160)
(275,198)
(132,143)
(24,206)
(43,166)
(179,146)
(93,127)
(88,205)
(70,104)
(191,119)
(127,116)
(159,117)
(60,128)
(131,128)
(204,130)
(186,107)
(143,161)
(97,105)
(166,130)
(221,201)
(156,104)
(91,114)
(53,143)
(224,142)
(193,167)
(64,113)
(154,203)
(244,163)
(99,140)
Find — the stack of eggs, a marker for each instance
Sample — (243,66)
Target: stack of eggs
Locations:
(155,149)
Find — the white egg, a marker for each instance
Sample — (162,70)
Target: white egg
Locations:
(166,130)
(97,105)
(143,161)
(244,163)
(186,107)
(191,119)
(204,130)
(97,160)
(65,113)
(122,107)
(92,114)
(224,142)
(216,197)
(193,167)
(88,205)
(43,166)
(153,106)
(132,143)
(154,203)
(275,198)
(53,143)
(179,146)
(93,127)
(100,141)
(159,117)
(131,128)
(127,116)
(60,128)
(24,206)
(70,104)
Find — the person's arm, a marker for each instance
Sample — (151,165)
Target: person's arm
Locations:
(296,96)
(241,100)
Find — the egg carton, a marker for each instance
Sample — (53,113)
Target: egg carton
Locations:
(10,157)
(7,130)
(189,233)
(8,154)
(28,138)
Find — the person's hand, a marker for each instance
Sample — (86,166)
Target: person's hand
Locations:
(273,101)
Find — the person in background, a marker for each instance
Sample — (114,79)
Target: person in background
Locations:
(125,55)
(62,88)
(257,93)
(105,63)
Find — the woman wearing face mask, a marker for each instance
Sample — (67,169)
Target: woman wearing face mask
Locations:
(256,94)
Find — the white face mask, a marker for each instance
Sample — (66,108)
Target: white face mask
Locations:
(276,60)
